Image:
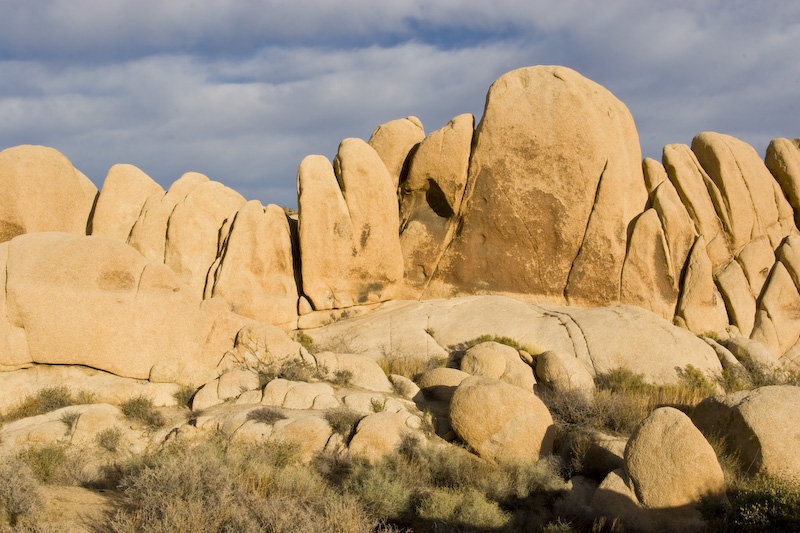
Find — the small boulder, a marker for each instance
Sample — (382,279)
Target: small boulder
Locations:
(670,463)
(379,434)
(440,383)
(563,372)
(761,425)
(499,420)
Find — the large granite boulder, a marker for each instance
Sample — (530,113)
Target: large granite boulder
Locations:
(555,178)
(120,202)
(94,301)
(394,141)
(349,243)
(761,426)
(40,190)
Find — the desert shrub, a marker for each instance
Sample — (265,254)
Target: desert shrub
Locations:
(758,504)
(184,395)
(109,438)
(446,509)
(70,418)
(304,340)
(377,405)
(141,409)
(383,493)
(266,415)
(342,378)
(45,400)
(343,420)
(19,491)
(293,369)
(410,366)
(48,463)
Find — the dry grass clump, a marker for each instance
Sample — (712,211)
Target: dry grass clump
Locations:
(46,400)
(141,409)
(760,504)
(266,415)
(410,366)
(184,395)
(343,421)
(48,463)
(293,369)
(109,439)
(19,493)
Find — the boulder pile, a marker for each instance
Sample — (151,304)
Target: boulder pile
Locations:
(434,285)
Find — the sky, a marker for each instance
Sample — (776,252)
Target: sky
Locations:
(243,90)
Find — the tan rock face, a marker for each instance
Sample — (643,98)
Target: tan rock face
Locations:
(349,244)
(148,233)
(555,178)
(700,196)
(255,268)
(563,372)
(648,277)
(761,425)
(783,161)
(700,307)
(654,174)
(124,193)
(750,207)
(97,302)
(739,300)
(380,434)
(193,230)
(500,420)
(670,463)
(430,199)
(777,323)
(394,140)
(678,228)
(41,191)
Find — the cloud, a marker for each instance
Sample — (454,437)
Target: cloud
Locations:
(242,91)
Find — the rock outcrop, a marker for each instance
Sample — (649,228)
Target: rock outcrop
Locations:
(40,190)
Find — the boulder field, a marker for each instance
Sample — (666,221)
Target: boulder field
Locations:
(436,284)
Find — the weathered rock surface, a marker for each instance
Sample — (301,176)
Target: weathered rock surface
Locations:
(498,361)
(700,307)
(40,190)
(602,339)
(563,372)
(430,199)
(552,139)
(381,433)
(349,244)
(783,161)
(125,190)
(254,271)
(761,425)
(501,421)
(97,302)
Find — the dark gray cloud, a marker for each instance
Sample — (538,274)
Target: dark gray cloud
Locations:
(242,91)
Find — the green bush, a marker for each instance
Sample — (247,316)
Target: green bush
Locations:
(466,510)
(141,409)
(756,505)
(43,401)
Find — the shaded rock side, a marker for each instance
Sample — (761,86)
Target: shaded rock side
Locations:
(783,161)
(762,426)
(430,201)
(349,244)
(97,302)
(254,272)
(125,190)
(40,190)
(394,140)
(555,178)
(500,421)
